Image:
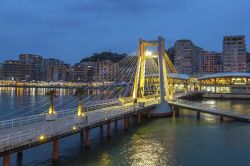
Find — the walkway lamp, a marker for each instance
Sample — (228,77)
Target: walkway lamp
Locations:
(51,115)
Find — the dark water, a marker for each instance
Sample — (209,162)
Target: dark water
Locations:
(164,141)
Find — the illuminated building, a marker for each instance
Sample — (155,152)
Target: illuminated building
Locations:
(56,70)
(187,57)
(1,71)
(212,62)
(16,70)
(234,54)
(96,71)
(248,62)
(233,82)
(35,62)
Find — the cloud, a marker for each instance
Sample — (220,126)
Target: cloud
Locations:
(73,29)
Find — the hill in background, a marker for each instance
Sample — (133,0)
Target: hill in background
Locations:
(113,57)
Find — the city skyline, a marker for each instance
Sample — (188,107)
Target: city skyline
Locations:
(91,54)
(40,28)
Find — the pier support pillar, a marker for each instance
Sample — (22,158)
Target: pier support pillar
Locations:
(116,121)
(19,156)
(55,150)
(148,114)
(139,118)
(221,118)
(81,136)
(126,121)
(87,144)
(198,115)
(6,160)
(176,112)
(109,128)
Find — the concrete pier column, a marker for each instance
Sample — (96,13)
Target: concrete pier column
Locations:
(148,114)
(221,118)
(198,115)
(116,121)
(176,112)
(6,160)
(87,144)
(109,128)
(19,156)
(81,136)
(55,150)
(139,118)
(126,122)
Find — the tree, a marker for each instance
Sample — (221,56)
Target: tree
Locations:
(51,94)
(80,92)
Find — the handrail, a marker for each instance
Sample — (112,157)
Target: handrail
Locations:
(41,117)
(26,136)
(207,107)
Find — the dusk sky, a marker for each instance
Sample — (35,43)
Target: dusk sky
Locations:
(73,29)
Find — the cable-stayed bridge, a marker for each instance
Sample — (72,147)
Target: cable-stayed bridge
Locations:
(139,88)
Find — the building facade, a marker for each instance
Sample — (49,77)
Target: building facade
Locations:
(1,71)
(234,54)
(36,70)
(101,71)
(248,62)
(56,70)
(212,62)
(16,70)
(187,57)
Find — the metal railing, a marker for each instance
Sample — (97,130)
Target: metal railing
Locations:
(64,123)
(55,128)
(41,117)
(207,108)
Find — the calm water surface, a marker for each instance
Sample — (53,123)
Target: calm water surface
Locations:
(164,141)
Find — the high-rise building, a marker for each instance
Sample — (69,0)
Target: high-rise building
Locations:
(35,62)
(248,62)
(16,70)
(83,72)
(212,62)
(95,71)
(187,57)
(171,53)
(56,70)
(105,71)
(1,71)
(234,54)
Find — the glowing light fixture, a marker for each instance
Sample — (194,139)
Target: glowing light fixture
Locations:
(148,53)
(74,128)
(42,137)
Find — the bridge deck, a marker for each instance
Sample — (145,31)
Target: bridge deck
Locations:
(205,108)
(25,136)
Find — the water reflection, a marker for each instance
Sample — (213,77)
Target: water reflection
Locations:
(16,91)
(237,105)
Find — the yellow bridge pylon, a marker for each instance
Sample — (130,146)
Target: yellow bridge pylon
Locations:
(163,60)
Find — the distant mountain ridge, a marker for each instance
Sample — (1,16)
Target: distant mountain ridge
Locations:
(113,57)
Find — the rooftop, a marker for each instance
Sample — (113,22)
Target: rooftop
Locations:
(228,74)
